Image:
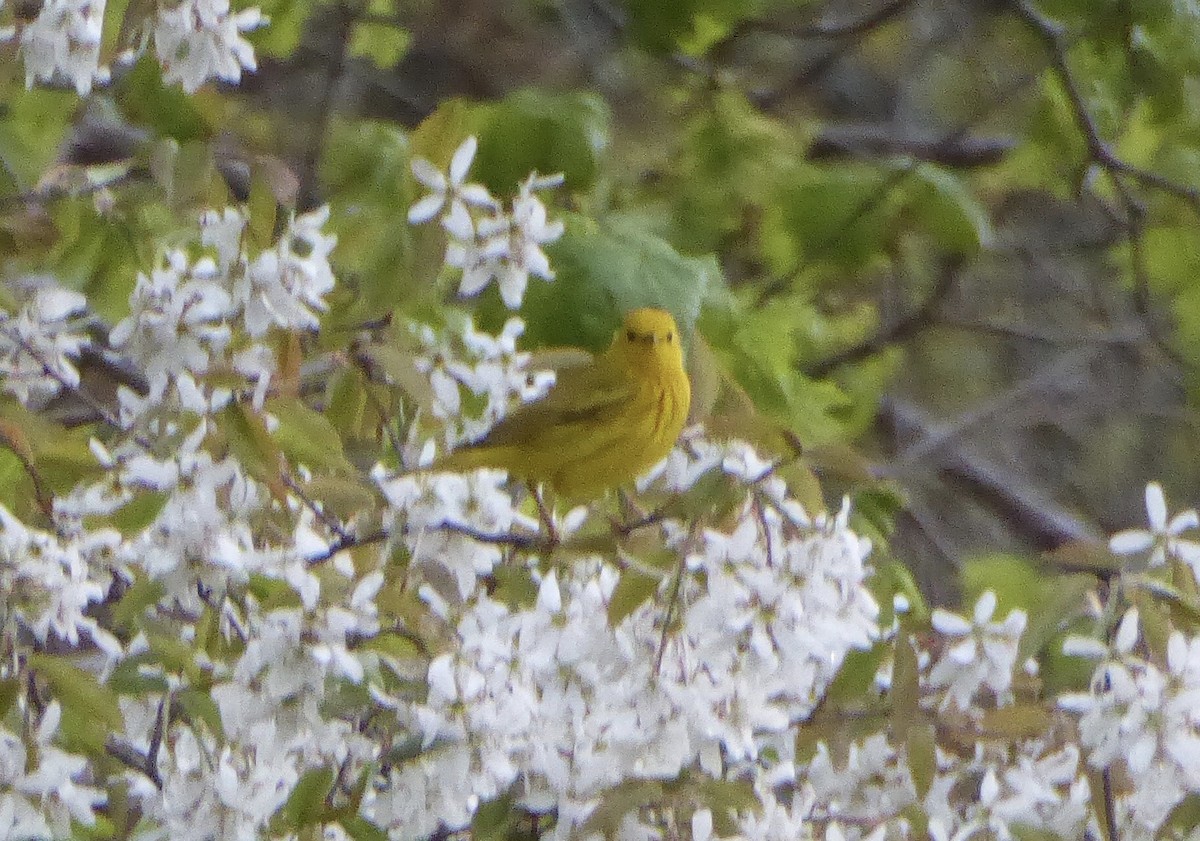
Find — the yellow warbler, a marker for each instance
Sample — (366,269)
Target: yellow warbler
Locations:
(603,423)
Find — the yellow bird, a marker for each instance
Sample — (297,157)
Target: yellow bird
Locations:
(603,423)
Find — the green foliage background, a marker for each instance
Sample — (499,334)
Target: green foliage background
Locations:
(846,205)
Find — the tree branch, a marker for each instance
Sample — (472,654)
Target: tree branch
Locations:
(898,331)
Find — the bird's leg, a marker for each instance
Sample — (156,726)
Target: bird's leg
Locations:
(545,516)
(630,513)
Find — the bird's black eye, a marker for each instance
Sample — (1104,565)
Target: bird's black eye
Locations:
(631,335)
(670,337)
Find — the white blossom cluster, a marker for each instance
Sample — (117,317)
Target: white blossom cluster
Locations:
(194,40)
(563,703)
(64,40)
(485,241)
(978,654)
(198,40)
(1143,717)
(37,344)
(42,787)
(475,364)
(190,318)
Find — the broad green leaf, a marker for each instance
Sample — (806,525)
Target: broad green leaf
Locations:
(1063,599)
(381,43)
(495,819)
(947,208)
(306,436)
(361,829)
(619,801)
(32,127)
(634,588)
(200,707)
(136,515)
(166,109)
(365,173)
(826,214)
(534,131)
(90,709)
(272,593)
(604,269)
(306,803)
(280,38)
(857,674)
(248,439)
(1182,819)
(1020,721)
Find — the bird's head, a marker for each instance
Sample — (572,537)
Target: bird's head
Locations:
(649,339)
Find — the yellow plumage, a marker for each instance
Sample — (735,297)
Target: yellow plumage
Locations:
(603,423)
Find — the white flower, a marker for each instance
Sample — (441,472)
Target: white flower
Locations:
(451,187)
(1163,535)
(65,39)
(201,39)
(285,286)
(37,344)
(483,241)
(978,654)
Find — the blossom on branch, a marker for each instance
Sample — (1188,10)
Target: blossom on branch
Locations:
(484,241)
(37,344)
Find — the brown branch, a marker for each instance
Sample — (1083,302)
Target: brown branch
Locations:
(1099,150)
(328,520)
(134,759)
(940,437)
(514,539)
(1040,519)
(898,331)
(346,543)
(894,180)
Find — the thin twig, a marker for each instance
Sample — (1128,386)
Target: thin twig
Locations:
(935,440)
(346,543)
(328,520)
(134,759)
(1099,150)
(898,331)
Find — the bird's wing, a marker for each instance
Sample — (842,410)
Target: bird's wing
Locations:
(584,394)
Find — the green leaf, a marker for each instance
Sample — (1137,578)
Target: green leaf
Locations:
(361,829)
(857,674)
(836,214)
(90,709)
(1183,818)
(262,209)
(306,436)
(167,110)
(948,209)
(272,593)
(129,612)
(495,820)
(306,803)
(9,688)
(198,706)
(921,744)
(604,269)
(1063,599)
(250,442)
(548,133)
(634,588)
(288,17)
(619,801)
(33,124)
(383,44)
(136,515)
